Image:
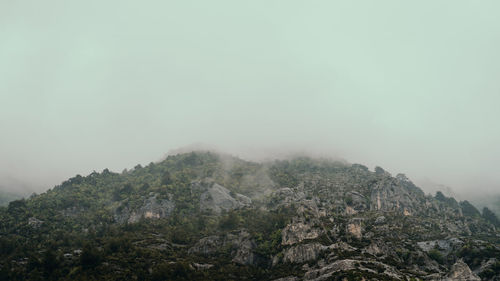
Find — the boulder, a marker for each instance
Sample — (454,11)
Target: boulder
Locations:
(217,198)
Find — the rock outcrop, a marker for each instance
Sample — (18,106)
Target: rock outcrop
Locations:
(297,232)
(354,227)
(460,271)
(216,198)
(302,253)
(444,245)
(239,243)
(34,222)
(152,208)
(328,271)
(390,195)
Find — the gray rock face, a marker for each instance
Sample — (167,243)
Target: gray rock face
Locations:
(487,265)
(289,278)
(326,272)
(342,246)
(376,249)
(297,232)
(286,196)
(460,271)
(354,228)
(380,220)
(390,194)
(245,200)
(217,198)
(443,245)
(303,253)
(202,266)
(207,245)
(244,251)
(152,208)
(357,201)
(241,244)
(34,222)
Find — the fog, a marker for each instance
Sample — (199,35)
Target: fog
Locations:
(411,87)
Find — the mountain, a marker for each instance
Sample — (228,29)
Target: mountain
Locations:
(207,216)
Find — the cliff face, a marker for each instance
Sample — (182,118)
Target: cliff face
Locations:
(201,216)
(217,198)
(152,208)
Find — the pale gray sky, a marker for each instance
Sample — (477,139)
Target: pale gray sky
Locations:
(412,86)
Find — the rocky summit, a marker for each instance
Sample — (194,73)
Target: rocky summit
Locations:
(207,216)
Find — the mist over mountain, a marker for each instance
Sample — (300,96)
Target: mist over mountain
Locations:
(249,140)
(13,188)
(6,197)
(375,85)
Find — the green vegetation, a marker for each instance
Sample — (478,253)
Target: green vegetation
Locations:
(436,255)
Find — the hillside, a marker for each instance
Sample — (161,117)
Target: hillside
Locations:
(205,216)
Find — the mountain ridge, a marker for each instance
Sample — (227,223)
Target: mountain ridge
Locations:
(202,215)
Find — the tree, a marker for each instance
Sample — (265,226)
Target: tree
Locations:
(436,255)
(123,192)
(49,262)
(440,196)
(175,271)
(230,221)
(17,208)
(349,200)
(145,186)
(90,257)
(379,171)
(166,179)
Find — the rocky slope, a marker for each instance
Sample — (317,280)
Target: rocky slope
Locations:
(204,216)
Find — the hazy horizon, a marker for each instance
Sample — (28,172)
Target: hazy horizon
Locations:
(411,87)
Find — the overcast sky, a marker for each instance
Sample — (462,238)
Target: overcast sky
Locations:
(412,86)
